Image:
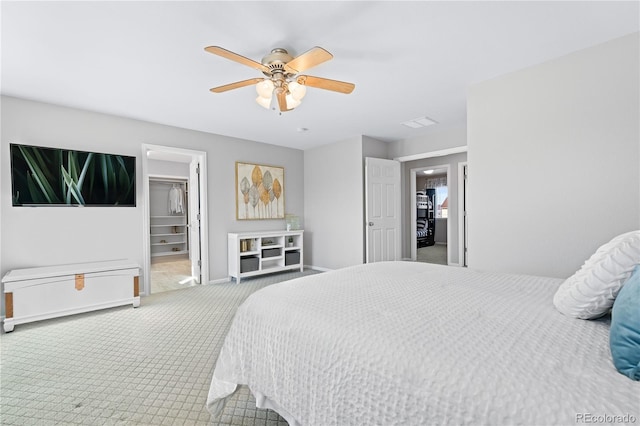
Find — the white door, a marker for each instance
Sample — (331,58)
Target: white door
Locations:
(194,220)
(382,198)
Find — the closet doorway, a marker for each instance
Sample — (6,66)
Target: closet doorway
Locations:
(169,233)
(175,242)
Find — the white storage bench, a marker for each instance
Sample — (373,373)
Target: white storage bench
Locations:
(35,294)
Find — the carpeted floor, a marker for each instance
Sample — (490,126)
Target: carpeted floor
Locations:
(436,253)
(124,366)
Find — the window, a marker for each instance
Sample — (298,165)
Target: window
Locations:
(442,202)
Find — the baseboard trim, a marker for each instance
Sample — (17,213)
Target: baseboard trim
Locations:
(317,268)
(219,281)
(229,279)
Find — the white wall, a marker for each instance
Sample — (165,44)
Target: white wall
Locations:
(36,236)
(435,139)
(375,148)
(168,168)
(333,205)
(554,160)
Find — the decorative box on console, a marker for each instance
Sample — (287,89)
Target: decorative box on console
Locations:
(35,294)
(292,258)
(270,252)
(248,264)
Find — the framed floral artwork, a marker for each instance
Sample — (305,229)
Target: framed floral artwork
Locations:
(259,191)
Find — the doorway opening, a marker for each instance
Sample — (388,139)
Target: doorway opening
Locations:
(175,195)
(169,244)
(430,209)
(450,160)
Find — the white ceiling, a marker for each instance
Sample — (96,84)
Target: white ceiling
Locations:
(146,60)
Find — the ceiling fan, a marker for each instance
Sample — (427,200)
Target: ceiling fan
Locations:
(281,76)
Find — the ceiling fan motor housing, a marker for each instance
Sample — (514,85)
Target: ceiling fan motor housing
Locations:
(276,61)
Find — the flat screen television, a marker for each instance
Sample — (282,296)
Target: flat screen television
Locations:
(60,177)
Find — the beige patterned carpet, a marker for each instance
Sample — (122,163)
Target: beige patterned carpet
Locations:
(124,366)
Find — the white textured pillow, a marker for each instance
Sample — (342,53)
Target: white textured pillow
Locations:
(591,291)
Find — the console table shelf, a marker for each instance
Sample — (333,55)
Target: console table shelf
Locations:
(257,253)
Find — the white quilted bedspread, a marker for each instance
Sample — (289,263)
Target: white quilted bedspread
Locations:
(403,343)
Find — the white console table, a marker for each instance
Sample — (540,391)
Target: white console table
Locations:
(34,294)
(256,253)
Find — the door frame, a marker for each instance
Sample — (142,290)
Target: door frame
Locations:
(201,158)
(413,173)
(463,182)
(421,156)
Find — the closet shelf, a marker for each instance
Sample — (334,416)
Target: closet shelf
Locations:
(169,253)
(168,216)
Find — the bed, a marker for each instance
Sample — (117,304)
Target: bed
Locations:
(405,343)
(423,232)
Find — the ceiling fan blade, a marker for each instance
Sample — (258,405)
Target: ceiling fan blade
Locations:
(236,85)
(282,100)
(308,59)
(325,83)
(217,50)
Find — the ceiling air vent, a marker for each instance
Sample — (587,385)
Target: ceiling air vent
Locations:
(417,123)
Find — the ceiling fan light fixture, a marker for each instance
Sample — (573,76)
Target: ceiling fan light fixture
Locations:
(264,102)
(297,90)
(265,88)
(292,102)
